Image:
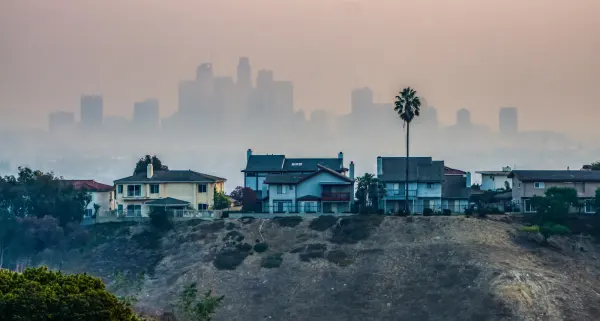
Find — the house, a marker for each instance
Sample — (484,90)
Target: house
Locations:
(101,195)
(495,180)
(425,179)
(456,190)
(172,189)
(258,167)
(529,183)
(322,191)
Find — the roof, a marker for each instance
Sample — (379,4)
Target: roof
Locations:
(309,198)
(556,176)
(171,176)
(90,185)
(503,196)
(279,163)
(455,187)
(453,171)
(167,201)
(494,173)
(421,169)
(297,178)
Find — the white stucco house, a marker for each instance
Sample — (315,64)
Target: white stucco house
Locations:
(101,195)
(174,189)
(495,180)
(322,191)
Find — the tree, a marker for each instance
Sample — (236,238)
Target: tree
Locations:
(8,230)
(507,186)
(160,218)
(220,200)
(142,165)
(58,296)
(407,106)
(554,206)
(369,192)
(595,166)
(249,200)
(237,195)
(196,309)
(597,200)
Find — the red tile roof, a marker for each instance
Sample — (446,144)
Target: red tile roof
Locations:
(453,171)
(90,185)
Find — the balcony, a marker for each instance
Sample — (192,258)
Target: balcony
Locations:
(399,194)
(335,196)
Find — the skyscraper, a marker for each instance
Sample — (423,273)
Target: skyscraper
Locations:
(92,112)
(361,100)
(244,74)
(463,118)
(61,120)
(508,121)
(284,97)
(145,114)
(189,97)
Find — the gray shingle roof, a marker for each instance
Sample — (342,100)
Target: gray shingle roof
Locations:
(421,169)
(167,201)
(455,187)
(279,163)
(171,176)
(556,176)
(297,178)
(265,163)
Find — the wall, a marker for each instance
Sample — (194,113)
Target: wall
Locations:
(290,195)
(104,199)
(494,182)
(584,189)
(183,191)
(312,185)
(435,191)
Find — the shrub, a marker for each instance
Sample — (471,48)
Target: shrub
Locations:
(530,229)
(193,308)
(427,212)
(149,239)
(261,247)
(353,229)
(469,211)
(230,226)
(211,227)
(447,212)
(323,223)
(401,213)
(338,257)
(38,293)
(233,236)
(272,261)
(312,251)
(160,219)
(288,221)
(247,220)
(229,259)
(244,247)
(482,212)
(550,229)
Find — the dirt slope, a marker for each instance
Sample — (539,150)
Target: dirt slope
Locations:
(360,268)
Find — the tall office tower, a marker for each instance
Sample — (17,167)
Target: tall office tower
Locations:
(284,97)
(91,110)
(244,74)
(204,72)
(61,120)
(264,79)
(145,114)
(509,121)
(463,118)
(225,95)
(189,96)
(262,99)
(361,100)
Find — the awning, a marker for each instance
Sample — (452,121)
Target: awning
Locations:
(167,201)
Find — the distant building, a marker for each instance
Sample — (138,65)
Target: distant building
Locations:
(495,180)
(189,97)
(463,118)
(92,111)
(61,120)
(244,74)
(283,97)
(225,95)
(101,195)
(361,101)
(146,114)
(456,190)
(508,121)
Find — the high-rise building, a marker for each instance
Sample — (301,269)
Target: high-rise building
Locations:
(92,112)
(225,95)
(61,120)
(429,116)
(509,122)
(145,114)
(189,96)
(361,100)
(264,79)
(244,74)
(463,118)
(284,97)
(204,72)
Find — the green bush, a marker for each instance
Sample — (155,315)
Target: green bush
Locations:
(40,295)
(234,236)
(338,257)
(288,221)
(530,229)
(427,212)
(312,251)
(447,212)
(469,211)
(193,308)
(549,229)
(261,247)
(229,259)
(272,261)
(353,229)
(323,223)
(160,219)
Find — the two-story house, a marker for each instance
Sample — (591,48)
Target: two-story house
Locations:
(495,180)
(529,183)
(172,189)
(456,190)
(101,195)
(322,191)
(425,180)
(258,167)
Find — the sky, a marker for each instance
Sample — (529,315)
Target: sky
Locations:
(541,56)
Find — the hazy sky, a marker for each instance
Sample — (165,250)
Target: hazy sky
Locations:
(539,55)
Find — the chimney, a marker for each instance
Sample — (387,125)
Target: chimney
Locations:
(352,170)
(149,171)
(468,183)
(248,154)
(379,166)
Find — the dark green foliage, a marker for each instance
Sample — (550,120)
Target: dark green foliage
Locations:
(369,192)
(211,227)
(353,229)
(261,247)
(447,212)
(338,257)
(230,226)
(554,206)
(220,200)
(597,200)
(482,212)
(160,218)
(595,166)
(142,165)
(469,211)
(237,195)
(244,247)
(323,223)
(193,308)
(549,229)
(247,220)
(402,213)
(148,239)
(229,259)
(249,201)
(130,286)
(272,261)
(234,236)
(311,251)
(427,212)
(37,294)
(288,221)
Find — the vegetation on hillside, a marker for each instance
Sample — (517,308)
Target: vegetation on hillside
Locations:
(142,165)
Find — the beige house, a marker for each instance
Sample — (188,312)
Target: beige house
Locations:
(529,183)
(173,189)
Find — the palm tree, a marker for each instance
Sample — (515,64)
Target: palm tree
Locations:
(408,106)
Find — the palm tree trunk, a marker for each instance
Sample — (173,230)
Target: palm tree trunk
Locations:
(406,177)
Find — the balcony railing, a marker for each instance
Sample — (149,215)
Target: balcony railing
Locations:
(335,196)
(400,193)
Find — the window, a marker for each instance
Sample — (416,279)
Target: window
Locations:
(296,164)
(527,207)
(89,212)
(281,189)
(202,206)
(120,189)
(154,189)
(201,188)
(590,206)
(429,185)
(134,210)
(120,209)
(539,185)
(291,187)
(134,190)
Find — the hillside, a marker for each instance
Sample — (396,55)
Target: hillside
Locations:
(357,268)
